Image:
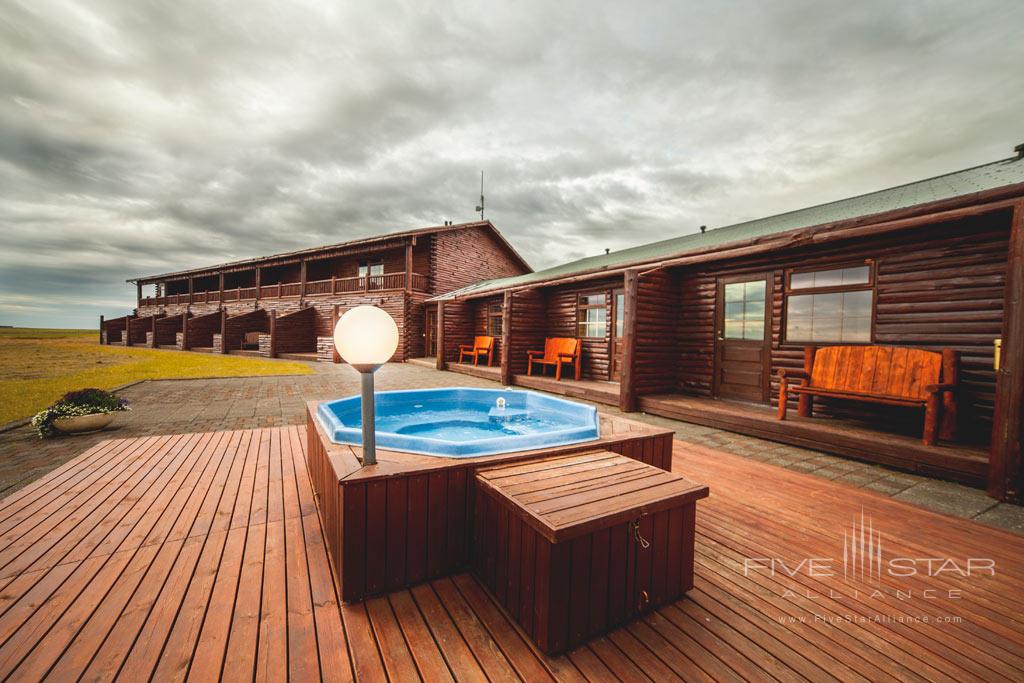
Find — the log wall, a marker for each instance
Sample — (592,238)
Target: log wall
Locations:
(463,257)
(529,327)
(295,332)
(562,318)
(658,347)
(201,329)
(480,307)
(236,326)
(937,287)
(166,330)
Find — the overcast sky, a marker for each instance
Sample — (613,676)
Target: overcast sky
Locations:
(141,137)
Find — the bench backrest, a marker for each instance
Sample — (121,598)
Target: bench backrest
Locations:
(483,342)
(553,346)
(878,370)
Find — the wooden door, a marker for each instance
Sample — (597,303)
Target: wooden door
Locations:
(618,316)
(430,334)
(742,338)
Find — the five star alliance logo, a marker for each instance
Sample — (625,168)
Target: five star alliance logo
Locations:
(862,550)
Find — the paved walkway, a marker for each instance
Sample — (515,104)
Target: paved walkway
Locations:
(184,406)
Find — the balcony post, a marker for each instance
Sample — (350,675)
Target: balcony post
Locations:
(273,329)
(190,289)
(223,330)
(101,329)
(627,378)
(221,286)
(258,284)
(334,284)
(408,267)
(302,280)
(336,357)
(138,293)
(506,339)
(440,364)
(184,331)
(152,328)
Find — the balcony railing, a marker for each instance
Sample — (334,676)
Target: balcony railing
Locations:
(334,285)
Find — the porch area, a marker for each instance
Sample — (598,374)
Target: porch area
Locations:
(202,556)
(967,464)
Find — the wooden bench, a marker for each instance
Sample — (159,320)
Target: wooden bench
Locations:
(251,340)
(481,346)
(888,375)
(557,350)
(574,545)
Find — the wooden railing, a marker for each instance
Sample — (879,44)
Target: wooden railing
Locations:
(334,285)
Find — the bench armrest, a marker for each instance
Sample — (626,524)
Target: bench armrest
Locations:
(940,388)
(465,347)
(566,356)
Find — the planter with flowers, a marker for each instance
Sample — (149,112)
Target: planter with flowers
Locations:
(79,412)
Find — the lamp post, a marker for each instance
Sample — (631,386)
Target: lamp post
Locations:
(366,337)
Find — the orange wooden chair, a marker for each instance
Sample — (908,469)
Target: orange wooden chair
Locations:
(557,350)
(888,375)
(481,346)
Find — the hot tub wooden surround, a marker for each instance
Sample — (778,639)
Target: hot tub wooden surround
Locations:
(407,518)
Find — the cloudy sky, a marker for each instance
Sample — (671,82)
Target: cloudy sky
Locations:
(140,137)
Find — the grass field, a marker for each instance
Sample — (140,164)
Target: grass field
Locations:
(39,366)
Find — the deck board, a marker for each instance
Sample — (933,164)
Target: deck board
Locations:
(200,556)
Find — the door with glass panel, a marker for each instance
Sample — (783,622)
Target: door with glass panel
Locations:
(741,339)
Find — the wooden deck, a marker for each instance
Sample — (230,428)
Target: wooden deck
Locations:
(585,389)
(195,556)
(955,462)
(492,372)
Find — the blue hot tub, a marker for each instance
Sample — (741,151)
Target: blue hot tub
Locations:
(461,422)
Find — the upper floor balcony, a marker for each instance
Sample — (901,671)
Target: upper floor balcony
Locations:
(414,282)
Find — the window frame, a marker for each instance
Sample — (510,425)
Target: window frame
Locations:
(580,307)
(869,286)
(495,311)
(368,265)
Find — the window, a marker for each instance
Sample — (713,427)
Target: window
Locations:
(591,315)
(833,305)
(744,310)
(371,268)
(494,316)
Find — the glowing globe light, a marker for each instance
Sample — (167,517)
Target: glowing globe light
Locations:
(366,337)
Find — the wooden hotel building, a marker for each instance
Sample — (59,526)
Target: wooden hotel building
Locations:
(285,305)
(844,300)
(702,327)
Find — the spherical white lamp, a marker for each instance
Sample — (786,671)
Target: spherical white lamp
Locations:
(366,337)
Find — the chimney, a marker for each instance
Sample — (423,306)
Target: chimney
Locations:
(607,251)
(703,229)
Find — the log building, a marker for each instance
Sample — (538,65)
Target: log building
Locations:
(285,305)
(699,328)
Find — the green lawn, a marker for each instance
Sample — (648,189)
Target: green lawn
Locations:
(38,366)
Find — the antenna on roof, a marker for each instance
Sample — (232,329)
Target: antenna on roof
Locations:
(481,207)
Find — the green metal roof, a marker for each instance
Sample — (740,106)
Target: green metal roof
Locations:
(968,181)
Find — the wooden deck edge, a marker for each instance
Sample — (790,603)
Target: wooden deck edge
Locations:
(936,463)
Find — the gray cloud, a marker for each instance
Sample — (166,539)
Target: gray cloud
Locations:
(141,137)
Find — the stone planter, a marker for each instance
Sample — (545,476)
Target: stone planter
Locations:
(83,424)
